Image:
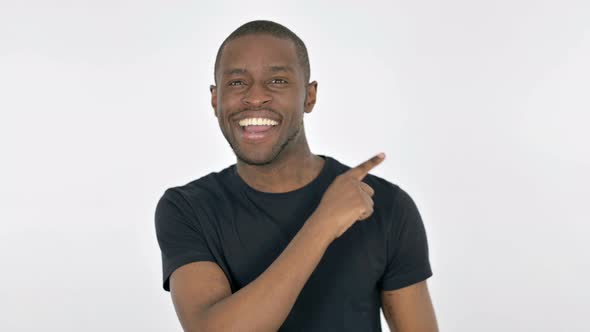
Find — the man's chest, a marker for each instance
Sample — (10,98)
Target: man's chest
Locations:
(252,240)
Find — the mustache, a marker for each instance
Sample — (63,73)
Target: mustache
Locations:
(258,109)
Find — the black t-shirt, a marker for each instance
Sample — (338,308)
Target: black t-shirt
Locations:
(220,218)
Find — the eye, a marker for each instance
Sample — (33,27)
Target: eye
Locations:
(274,80)
(235,83)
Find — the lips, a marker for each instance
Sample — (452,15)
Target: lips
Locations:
(257,129)
(257,114)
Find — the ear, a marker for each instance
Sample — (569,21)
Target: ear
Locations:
(213,90)
(311,89)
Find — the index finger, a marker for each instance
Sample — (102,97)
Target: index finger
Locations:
(363,169)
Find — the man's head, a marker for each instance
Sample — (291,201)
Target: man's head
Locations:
(262,71)
(261,27)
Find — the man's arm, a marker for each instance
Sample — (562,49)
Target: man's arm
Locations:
(203,299)
(409,309)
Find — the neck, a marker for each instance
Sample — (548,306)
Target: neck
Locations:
(291,170)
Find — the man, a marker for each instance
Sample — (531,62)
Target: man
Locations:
(285,239)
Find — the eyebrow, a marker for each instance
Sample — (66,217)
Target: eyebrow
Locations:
(274,69)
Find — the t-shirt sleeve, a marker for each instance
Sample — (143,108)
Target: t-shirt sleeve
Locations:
(407,246)
(179,234)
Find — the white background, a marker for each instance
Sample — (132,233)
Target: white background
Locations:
(482,108)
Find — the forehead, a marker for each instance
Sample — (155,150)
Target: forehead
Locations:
(258,52)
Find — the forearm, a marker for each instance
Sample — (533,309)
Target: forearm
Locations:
(265,303)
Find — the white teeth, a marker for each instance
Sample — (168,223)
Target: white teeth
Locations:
(257,122)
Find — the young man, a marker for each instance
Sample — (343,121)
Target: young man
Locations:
(285,239)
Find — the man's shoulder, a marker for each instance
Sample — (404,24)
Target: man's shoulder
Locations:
(203,188)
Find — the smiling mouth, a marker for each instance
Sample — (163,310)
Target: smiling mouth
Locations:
(257,133)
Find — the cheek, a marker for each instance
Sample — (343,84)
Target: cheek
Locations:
(227,99)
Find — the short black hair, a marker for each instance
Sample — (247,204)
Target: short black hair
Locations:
(270,28)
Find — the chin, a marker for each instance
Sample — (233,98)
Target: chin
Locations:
(256,158)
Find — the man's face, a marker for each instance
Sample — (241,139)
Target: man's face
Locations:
(259,76)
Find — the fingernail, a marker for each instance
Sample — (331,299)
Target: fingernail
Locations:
(381,155)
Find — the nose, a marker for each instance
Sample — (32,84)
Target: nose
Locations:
(256,96)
